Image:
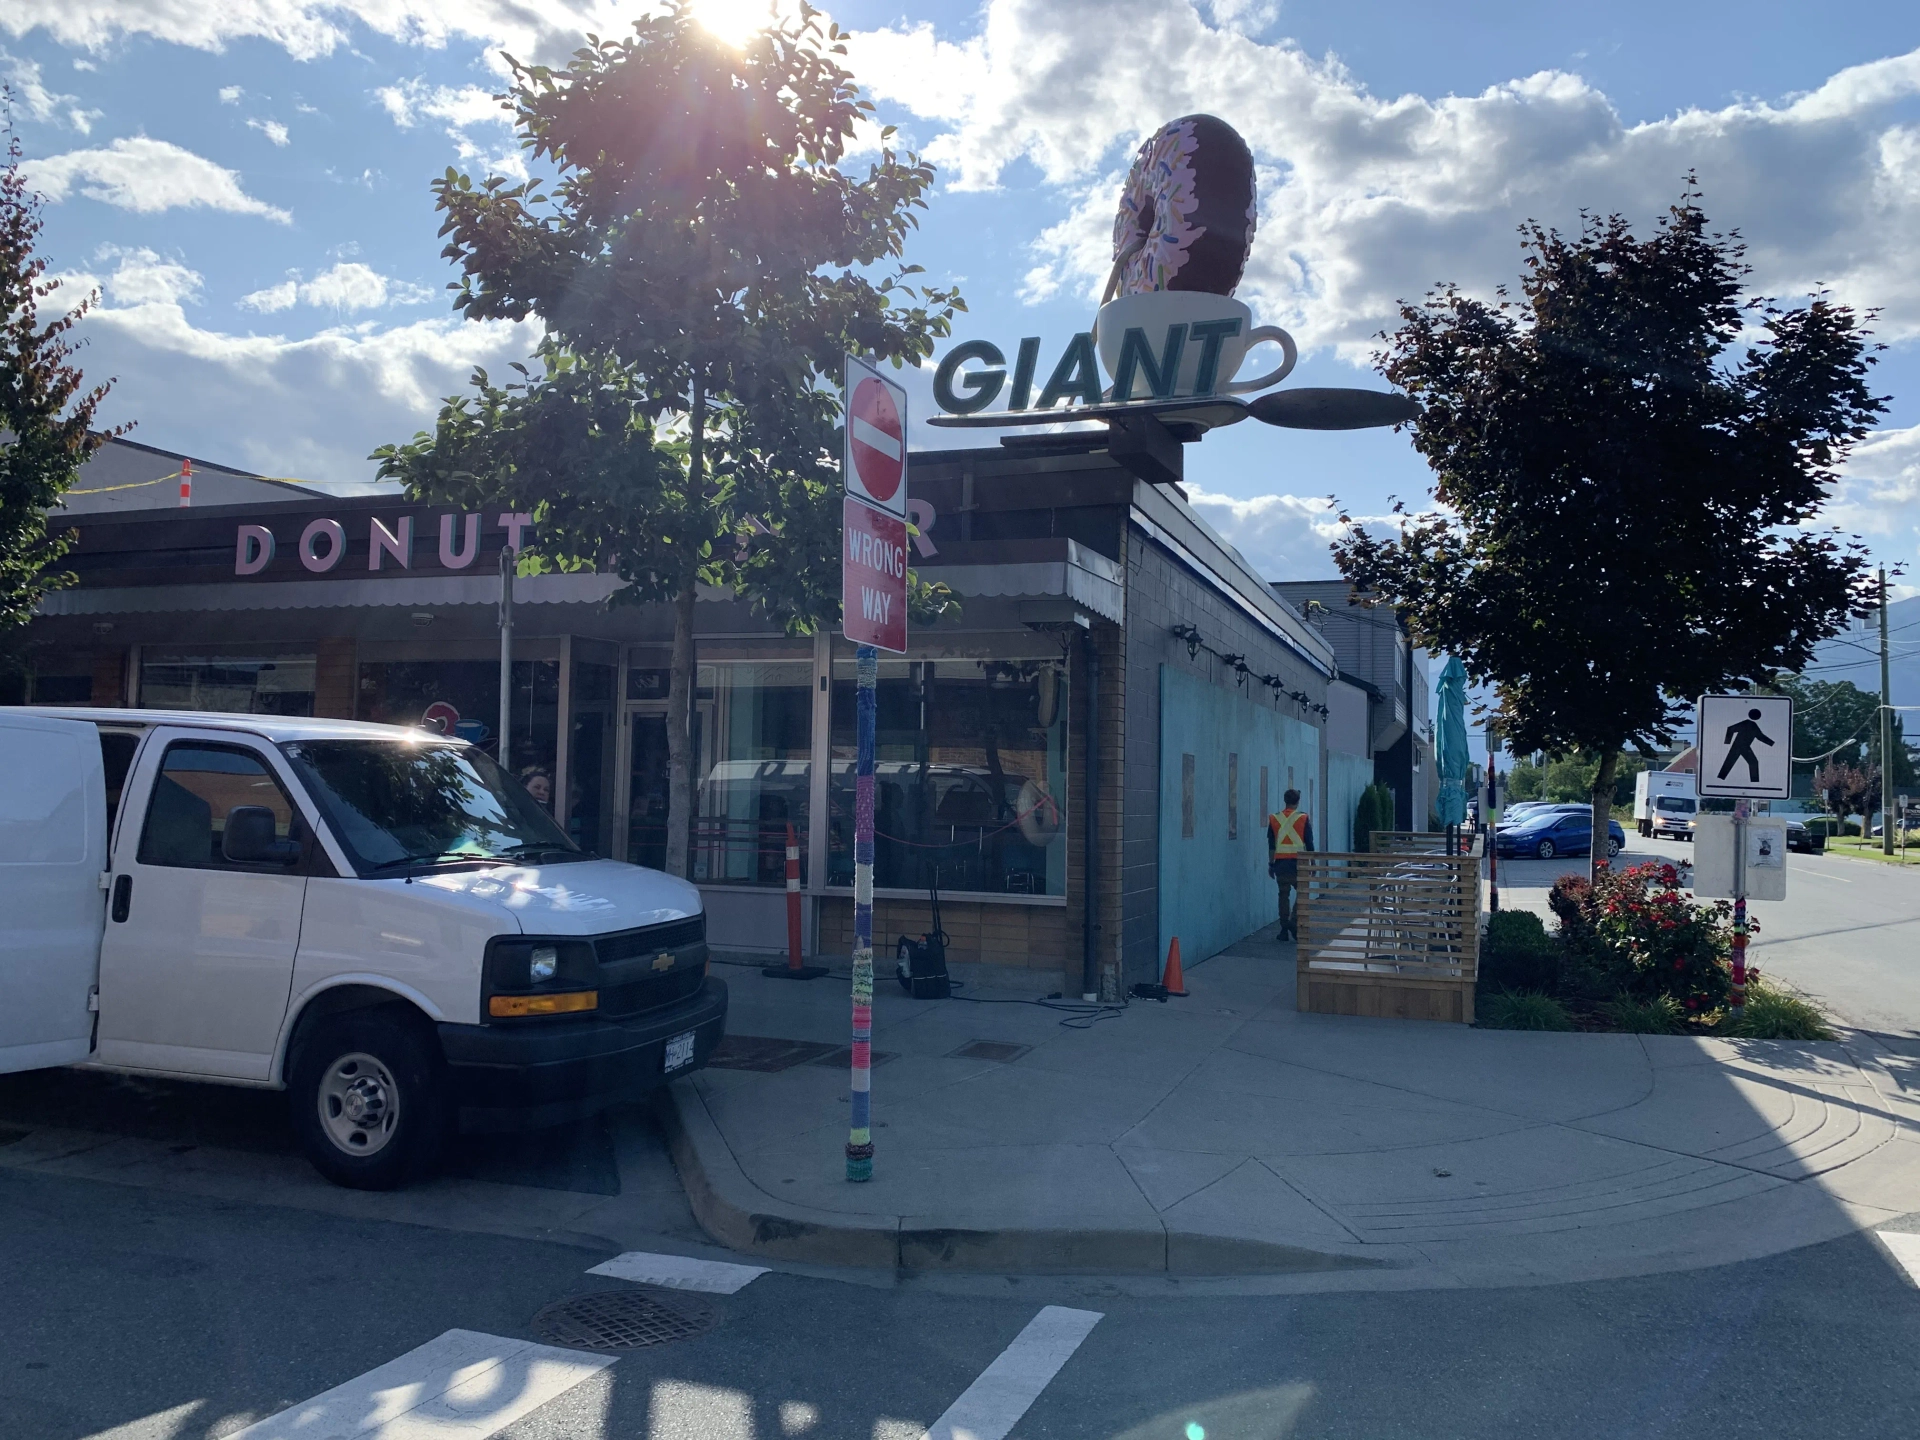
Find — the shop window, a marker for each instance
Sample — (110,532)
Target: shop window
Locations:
(753,739)
(462,698)
(239,682)
(970,771)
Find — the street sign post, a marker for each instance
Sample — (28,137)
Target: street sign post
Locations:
(873,615)
(1745,745)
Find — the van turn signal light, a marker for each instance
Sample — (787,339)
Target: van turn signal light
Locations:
(507,1007)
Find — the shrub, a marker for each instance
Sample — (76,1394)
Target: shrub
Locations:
(1661,1015)
(1634,930)
(1374,812)
(1518,954)
(1775,1014)
(1521,1010)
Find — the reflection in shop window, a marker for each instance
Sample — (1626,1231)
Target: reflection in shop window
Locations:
(241,683)
(970,774)
(752,737)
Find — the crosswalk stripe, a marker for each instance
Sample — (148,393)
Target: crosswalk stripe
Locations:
(716,1277)
(1905,1247)
(994,1403)
(460,1386)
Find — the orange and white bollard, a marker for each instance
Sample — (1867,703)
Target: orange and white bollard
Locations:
(186,483)
(793,969)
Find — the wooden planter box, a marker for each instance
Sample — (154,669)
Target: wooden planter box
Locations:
(1394,934)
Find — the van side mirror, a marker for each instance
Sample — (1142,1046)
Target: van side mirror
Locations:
(249,838)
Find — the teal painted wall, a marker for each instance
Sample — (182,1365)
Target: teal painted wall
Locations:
(1213,884)
(1347,776)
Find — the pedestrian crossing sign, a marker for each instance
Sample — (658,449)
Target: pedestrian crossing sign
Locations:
(1746,746)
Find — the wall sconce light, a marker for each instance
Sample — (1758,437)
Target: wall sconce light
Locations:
(1191,635)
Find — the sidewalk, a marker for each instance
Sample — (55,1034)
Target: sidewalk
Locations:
(1228,1134)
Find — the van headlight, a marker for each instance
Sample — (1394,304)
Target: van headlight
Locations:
(542,962)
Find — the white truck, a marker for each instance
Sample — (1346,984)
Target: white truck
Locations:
(379,920)
(1664,803)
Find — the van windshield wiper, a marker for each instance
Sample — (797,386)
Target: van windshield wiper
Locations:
(436,857)
(527,852)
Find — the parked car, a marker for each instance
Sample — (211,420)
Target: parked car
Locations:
(1518,813)
(381,921)
(1801,837)
(1548,833)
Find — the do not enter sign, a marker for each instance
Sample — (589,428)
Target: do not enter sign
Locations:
(876,452)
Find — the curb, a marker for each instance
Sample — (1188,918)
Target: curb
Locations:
(743,1217)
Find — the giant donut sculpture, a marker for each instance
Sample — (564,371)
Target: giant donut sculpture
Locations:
(1187,215)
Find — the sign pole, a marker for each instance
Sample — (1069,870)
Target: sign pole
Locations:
(873,615)
(1741,810)
(860,1136)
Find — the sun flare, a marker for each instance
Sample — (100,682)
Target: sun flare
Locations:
(734,21)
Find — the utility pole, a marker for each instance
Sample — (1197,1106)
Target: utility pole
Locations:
(508,560)
(1886,729)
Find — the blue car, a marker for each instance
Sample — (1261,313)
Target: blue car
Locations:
(1548,833)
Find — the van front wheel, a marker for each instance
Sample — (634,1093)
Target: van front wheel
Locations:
(367,1101)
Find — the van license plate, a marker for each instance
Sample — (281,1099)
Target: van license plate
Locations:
(679,1052)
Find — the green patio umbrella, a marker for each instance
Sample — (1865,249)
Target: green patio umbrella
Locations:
(1450,743)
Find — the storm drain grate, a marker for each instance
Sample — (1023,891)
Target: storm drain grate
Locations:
(628,1319)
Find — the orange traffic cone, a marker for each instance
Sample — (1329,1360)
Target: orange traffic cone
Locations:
(1173,980)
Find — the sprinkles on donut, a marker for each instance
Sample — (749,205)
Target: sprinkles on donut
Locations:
(1187,214)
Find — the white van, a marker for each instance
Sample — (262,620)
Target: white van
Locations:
(379,920)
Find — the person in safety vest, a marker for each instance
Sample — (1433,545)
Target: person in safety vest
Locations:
(1288,834)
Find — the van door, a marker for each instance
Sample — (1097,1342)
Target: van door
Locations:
(197,962)
(53,848)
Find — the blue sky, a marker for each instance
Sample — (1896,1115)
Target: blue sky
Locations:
(248,185)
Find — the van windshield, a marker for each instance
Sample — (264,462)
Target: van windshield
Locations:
(395,804)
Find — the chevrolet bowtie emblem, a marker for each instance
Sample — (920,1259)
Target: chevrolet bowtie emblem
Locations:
(663,961)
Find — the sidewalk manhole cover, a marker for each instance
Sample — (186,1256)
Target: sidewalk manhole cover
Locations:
(765,1053)
(628,1319)
(1000,1050)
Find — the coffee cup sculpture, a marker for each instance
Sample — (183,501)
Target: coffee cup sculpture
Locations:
(1169,334)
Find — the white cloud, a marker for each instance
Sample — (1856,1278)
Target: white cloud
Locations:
(342,287)
(1879,492)
(1279,535)
(309,29)
(272,129)
(230,94)
(146,176)
(31,95)
(283,296)
(1366,200)
(309,408)
(463,109)
(145,277)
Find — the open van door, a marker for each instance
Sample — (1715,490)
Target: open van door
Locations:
(53,851)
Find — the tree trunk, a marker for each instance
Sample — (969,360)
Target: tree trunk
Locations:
(1602,811)
(683,676)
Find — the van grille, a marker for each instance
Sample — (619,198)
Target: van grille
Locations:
(620,1001)
(651,940)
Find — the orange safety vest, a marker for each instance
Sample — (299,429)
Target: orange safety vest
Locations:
(1285,833)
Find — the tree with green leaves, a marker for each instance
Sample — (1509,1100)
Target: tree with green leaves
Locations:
(1836,719)
(46,411)
(701,264)
(1626,508)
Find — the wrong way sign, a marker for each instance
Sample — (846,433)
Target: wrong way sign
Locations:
(873,576)
(876,451)
(1746,746)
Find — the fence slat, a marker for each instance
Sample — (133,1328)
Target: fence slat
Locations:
(1392,932)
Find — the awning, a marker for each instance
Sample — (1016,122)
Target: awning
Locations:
(408,591)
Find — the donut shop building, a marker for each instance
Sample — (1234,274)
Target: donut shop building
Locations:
(1119,681)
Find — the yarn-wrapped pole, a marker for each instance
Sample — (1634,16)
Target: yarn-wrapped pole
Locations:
(860,1136)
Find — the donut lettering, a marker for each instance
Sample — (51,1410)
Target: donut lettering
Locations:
(1187,214)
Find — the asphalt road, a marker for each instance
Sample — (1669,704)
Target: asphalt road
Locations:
(1848,933)
(141,1315)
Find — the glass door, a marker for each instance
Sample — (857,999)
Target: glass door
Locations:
(647,785)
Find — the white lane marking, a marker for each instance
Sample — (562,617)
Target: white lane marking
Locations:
(461,1386)
(1906,1249)
(681,1410)
(994,1403)
(716,1277)
(1802,870)
(874,438)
